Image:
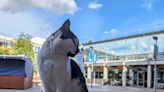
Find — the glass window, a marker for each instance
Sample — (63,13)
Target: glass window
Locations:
(111,49)
(86,72)
(1,43)
(132,46)
(152,42)
(101,51)
(99,73)
(115,74)
(120,47)
(130,49)
(161,43)
(144,45)
(161,77)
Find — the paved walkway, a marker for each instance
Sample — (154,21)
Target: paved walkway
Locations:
(94,89)
(121,89)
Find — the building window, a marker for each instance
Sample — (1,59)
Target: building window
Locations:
(1,44)
(115,74)
(161,76)
(86,72)
(98,73)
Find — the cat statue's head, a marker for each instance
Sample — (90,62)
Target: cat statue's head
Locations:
(63,41)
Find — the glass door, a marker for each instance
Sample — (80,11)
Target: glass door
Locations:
(142,78)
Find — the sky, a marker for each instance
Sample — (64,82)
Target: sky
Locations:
(91,20)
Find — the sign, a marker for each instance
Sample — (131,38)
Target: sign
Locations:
(92,57)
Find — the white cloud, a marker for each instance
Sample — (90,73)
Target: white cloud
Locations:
(113,31)
(106,32)
(13,24)
(57,6)
(148,4)
(95,5)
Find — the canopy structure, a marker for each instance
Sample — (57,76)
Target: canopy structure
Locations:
(15,72)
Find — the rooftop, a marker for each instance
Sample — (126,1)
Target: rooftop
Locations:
(126,37)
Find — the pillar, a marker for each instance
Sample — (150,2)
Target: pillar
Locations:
(105,73)
(149,76)
(131,74)
(124,71)
(89,72)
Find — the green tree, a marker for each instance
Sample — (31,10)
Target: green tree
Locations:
(23,46)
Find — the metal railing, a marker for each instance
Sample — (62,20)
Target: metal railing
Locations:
(136,57)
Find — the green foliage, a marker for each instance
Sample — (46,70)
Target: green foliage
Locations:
(23,46)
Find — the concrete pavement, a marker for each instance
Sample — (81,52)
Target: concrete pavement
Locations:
(121,89)
(94,89)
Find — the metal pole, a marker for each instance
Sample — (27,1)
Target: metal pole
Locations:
(92,75)
(155,64)
(163,51)
(155,75)
(92,67)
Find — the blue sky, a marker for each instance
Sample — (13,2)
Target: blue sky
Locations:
(90,19)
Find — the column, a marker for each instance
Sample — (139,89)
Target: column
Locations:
(131,74)
(137,78)
(149,76)
(89,72)
(105,72)
(124,76)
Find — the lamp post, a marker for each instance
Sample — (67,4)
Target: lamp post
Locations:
(91,50)
(155,64)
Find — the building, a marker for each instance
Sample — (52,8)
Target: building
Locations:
(7,42)
(126,61)
(37,42)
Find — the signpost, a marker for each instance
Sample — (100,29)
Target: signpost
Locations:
(155,65)
(92,57)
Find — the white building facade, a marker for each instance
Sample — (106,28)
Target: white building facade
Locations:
(127,61)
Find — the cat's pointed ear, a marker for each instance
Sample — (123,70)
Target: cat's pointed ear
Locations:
(66,25)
